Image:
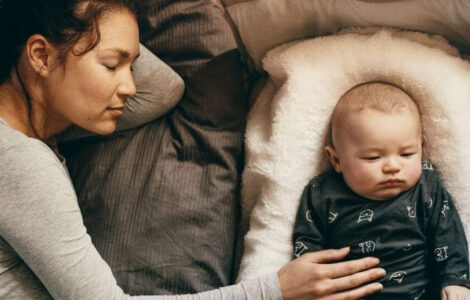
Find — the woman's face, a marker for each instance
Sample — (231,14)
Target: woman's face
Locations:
(90,90)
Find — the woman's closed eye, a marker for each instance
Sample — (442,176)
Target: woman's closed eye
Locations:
(111,63)
(110,67)
(114,67)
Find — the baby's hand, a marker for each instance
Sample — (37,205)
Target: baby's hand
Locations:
(452,292)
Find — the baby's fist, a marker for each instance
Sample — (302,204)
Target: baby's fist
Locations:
(454,292)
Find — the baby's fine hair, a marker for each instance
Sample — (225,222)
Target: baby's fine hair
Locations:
(383,97)
(379,96)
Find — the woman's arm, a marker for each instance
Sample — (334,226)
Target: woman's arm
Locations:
(40,219)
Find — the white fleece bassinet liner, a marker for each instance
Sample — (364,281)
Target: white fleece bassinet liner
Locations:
(288,124)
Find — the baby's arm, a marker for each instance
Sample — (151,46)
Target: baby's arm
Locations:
(448,244)
(310,223)
(330,279)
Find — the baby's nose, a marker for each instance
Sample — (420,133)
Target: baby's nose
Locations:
(391,166)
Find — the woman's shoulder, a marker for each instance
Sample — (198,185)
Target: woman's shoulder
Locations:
(31,175)
(19,152)
(9,138)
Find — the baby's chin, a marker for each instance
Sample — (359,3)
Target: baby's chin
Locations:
(383,194)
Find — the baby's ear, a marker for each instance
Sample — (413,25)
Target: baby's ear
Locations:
(333,157)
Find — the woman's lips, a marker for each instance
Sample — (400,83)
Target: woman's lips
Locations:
(116,111)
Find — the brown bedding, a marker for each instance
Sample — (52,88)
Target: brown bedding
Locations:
(161,201)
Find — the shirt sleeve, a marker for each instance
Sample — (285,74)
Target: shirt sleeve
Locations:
(448,243)
(310,224)
(40,219)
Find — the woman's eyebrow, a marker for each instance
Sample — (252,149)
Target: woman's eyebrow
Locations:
(122,53)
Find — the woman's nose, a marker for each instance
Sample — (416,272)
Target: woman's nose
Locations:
(127,86)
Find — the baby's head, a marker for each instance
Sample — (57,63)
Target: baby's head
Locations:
(376,140)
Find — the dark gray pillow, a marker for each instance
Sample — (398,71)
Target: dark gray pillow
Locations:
(161,201)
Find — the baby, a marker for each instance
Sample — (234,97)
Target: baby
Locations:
(382,200)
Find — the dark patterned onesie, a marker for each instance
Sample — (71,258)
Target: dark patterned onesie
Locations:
(417,235)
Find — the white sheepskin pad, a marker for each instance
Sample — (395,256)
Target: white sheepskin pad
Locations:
(288,124)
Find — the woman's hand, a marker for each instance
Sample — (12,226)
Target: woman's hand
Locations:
(454,292)
(310,277)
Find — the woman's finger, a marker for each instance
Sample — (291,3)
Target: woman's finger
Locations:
(325,256)
(350,267)
(355,280)
(357,293)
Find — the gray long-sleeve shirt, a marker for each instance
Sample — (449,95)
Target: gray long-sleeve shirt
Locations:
(45,251)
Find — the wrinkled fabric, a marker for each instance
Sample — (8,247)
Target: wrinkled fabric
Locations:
(161,201)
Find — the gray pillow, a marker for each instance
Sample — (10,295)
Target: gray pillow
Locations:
(161,201)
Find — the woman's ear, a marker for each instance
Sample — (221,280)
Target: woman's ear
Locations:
(40,54)
(333,157)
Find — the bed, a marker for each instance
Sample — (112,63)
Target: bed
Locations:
(162,202)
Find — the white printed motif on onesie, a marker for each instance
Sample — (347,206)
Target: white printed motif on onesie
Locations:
(367,247)
(299,249)
(308,216)
(332,217)
(365,215)
(445,208)
(398,276)
(411,211)
(441,253)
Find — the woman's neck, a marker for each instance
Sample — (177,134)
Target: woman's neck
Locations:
(15,111)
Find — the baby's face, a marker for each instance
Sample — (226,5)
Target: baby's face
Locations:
(379,155)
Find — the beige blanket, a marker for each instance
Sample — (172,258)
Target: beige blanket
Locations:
(288,124)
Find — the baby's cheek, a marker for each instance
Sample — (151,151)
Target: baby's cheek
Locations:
(415,174)
(418,173)
(365,176)
(366,172)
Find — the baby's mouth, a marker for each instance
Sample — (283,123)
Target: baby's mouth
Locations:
(391,183)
